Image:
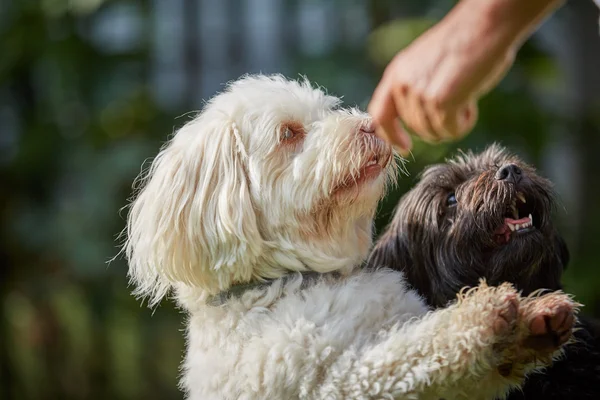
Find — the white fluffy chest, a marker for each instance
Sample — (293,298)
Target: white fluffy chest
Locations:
(306,330)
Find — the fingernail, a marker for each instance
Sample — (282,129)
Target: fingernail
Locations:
(404,141)
(382,134)
(401,143)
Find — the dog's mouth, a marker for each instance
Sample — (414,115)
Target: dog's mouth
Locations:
(519,219)
(369,161)
(370,170)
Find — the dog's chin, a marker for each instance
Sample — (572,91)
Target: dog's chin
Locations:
(524,247)
(516,248)
(513,233)
(513,236)
(519,243)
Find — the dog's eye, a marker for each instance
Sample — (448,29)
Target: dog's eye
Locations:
(451,200)
(291,130)
(288,134)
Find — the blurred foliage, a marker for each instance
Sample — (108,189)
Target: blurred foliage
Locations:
(78,119)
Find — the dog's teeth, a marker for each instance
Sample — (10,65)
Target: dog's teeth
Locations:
(517,227)
(530,220)
(514,211)
(521,197)
(511,226)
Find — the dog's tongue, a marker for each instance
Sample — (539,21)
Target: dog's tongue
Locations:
(516,221)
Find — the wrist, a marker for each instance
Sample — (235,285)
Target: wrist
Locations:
(510,21)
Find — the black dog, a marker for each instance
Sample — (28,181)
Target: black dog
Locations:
(489,216)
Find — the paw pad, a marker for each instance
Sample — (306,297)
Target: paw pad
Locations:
(550,320)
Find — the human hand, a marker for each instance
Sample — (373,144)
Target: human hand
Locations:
(434,84)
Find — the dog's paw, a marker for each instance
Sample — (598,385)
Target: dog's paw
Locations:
(545,325)
(549,321)
(495,310)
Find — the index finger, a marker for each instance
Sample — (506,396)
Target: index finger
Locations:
(383,110)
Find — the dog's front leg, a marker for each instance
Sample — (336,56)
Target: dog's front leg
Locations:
(452,353)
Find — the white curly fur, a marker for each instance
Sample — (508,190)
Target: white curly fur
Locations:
(230,199)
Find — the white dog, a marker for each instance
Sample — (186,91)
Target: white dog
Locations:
(258,214)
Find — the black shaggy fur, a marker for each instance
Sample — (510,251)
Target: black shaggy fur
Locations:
(445,236)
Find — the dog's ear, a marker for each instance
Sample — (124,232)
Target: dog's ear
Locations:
(410,244)
(391,250)
(193,221)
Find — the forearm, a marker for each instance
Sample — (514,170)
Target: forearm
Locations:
(440,355)
(507,22)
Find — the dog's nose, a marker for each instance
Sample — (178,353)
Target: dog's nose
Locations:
(368,128)
(509,173)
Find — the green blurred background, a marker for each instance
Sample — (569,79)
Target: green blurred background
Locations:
(89,89)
